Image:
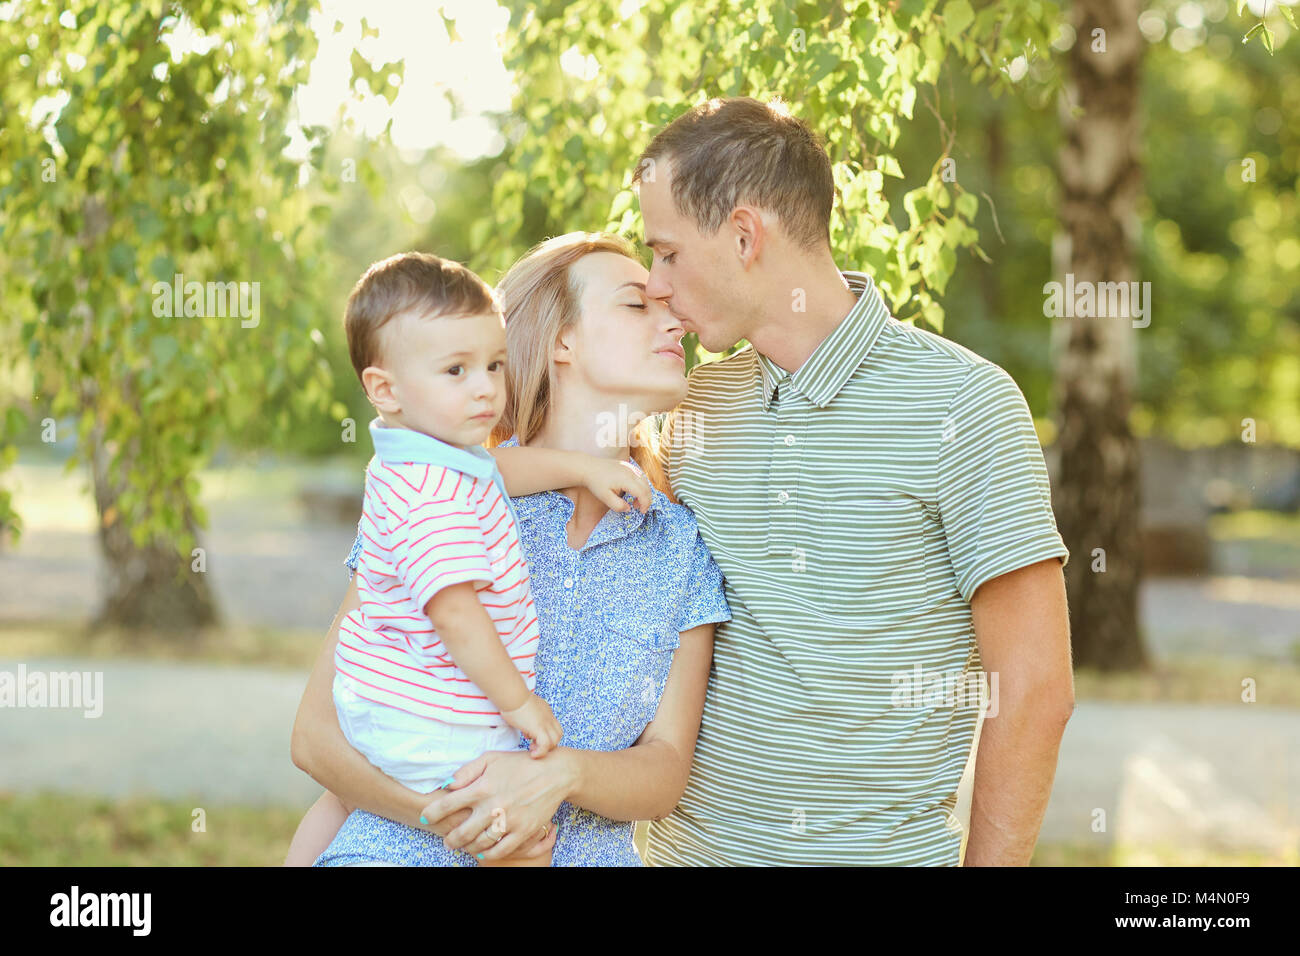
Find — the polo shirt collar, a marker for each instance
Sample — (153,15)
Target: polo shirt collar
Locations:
(821,377)
(397,445)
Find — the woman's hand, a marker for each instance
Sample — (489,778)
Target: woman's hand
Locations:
(527,791)
(538,855)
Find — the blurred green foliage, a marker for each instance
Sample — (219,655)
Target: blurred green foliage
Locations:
(944,165)
(146,161)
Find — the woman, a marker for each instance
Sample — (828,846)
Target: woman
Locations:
(626,601)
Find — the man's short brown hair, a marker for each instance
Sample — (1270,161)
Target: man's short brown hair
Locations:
(731,151)
(409,282)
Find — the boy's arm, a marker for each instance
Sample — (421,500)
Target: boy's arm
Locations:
(471,638)
(527,471)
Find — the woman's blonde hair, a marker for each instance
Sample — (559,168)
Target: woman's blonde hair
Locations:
(540,296)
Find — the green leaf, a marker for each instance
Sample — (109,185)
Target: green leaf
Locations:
(967,204)
(164,349)
(121,259)
(888,166)
(163,268)
(825,62)
(622,203)
(919,206)
(957,16)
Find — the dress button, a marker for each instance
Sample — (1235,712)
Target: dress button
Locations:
(789,439)
(782,497)
(568,582)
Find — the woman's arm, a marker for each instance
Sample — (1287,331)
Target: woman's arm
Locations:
(644,781)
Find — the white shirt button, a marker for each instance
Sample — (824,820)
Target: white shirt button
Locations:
(789,439)
(568,582)
(782,497)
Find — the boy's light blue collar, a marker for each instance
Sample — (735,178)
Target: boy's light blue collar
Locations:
(396,445)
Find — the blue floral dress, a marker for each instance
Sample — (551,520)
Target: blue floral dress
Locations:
(611,616)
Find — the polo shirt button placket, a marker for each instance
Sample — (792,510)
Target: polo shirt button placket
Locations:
(785,472)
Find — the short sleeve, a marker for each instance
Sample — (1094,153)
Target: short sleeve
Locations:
(994,498)
(440,544)
(706,600)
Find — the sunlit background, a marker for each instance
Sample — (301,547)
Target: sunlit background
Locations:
(423,126)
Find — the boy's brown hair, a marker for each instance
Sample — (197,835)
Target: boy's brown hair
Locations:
(726,152)
(410,281)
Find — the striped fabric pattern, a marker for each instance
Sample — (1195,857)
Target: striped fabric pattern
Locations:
(854,507)
(423,528)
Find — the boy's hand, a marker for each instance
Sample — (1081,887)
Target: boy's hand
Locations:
(535,721)
(609,480)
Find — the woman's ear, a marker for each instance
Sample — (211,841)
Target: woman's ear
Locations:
(563,353)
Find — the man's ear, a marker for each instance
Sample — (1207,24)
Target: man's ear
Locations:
(378,384)
(750,230)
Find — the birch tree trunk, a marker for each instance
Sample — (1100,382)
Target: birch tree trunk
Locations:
(1097,491)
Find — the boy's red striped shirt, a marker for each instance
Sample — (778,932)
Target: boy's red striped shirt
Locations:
(425,527)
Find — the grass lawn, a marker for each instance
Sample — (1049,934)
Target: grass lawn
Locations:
(1195,679)
(250,647)
(53,829)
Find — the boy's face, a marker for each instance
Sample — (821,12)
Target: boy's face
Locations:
(443,376)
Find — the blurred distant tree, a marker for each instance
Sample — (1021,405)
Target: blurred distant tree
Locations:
(140,144)
(1220,228)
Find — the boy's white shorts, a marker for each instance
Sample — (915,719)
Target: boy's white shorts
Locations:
(419,752)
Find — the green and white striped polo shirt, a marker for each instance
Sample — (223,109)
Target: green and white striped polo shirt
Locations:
(854,507)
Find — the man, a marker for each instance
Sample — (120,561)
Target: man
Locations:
(877,499)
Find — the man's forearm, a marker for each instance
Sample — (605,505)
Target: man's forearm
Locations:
(1014,769)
